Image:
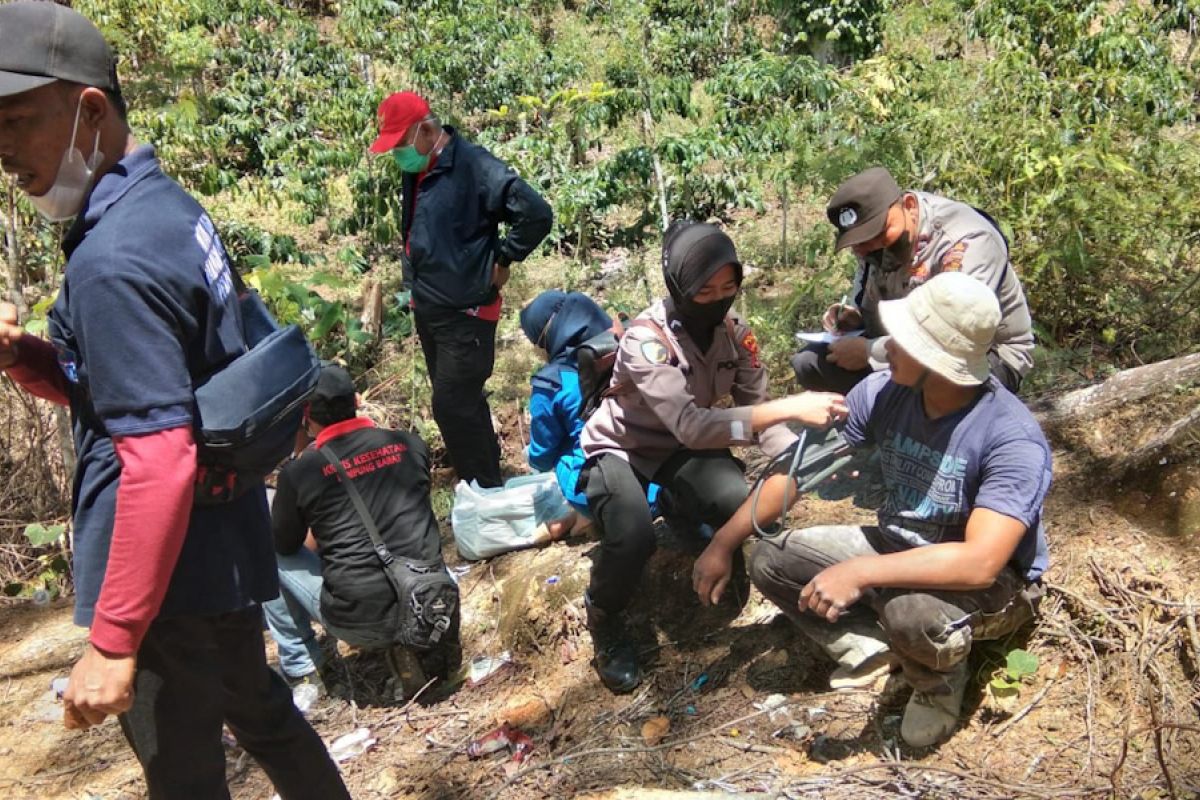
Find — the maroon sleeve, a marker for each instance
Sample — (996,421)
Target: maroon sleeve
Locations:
(37,371)
(154,503)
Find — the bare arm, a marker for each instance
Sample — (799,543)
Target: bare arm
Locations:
(714,567)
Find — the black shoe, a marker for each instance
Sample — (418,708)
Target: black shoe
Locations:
(443,661)
(616,660)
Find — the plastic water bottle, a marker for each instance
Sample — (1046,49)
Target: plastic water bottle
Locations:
(41,598)
(305,696)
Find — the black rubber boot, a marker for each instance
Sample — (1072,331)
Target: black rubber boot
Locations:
(616,660)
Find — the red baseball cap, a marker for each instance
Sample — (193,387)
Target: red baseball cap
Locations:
(396,115)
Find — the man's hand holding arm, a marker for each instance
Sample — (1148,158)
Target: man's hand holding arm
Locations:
(30,361)
(154,504)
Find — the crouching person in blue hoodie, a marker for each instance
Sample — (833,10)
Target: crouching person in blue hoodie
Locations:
(558,322)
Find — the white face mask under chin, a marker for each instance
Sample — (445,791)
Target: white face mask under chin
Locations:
(74,178)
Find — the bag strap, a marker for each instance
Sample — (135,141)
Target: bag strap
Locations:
(360,505)
(627,387)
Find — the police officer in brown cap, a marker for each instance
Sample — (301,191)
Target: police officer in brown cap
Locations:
(902,239)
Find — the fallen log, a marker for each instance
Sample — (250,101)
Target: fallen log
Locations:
(1127,386)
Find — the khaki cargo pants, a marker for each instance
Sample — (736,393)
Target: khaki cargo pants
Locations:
(930,632)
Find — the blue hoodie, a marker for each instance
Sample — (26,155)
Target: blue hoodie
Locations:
(559,322)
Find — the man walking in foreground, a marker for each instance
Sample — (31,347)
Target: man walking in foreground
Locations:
(169,590)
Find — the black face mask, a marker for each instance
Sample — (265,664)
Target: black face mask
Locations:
(700,320)
(891,258)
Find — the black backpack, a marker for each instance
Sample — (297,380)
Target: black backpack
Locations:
(595,359)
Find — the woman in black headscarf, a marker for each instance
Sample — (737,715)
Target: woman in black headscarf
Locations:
(687,385)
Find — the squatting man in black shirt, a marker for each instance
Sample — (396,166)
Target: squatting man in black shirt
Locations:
(328,569)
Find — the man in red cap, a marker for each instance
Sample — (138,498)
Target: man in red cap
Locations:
(456,194)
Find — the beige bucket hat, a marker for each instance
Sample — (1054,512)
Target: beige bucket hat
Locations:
(947,324)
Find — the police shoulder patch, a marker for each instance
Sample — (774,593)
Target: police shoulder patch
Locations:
(654,351)
(750,345)
(953,260)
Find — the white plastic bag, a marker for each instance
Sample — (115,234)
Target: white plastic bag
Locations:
(488,522)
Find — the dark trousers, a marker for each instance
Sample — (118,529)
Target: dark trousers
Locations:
(815,373)
(708,483)
(195,673)
(459,352)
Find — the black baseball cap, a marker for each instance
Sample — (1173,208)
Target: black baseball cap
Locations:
(858,209)
(334,383)
(43,42)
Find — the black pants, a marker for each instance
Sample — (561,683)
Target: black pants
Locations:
(816,374)
(194,673)
(459,352)
(709,483)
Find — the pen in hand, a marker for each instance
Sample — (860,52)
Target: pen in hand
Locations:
(841,310)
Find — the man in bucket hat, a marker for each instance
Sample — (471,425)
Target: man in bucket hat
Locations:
(455,197)
(169,590)
(958,549)
(902,239)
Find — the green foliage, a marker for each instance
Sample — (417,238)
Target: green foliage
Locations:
(1020,666)
(838,29)
(40,535)
(321,319)
(1074,125)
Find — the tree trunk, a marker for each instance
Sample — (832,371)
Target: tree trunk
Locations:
(372,313)
(647,123)
(783,199)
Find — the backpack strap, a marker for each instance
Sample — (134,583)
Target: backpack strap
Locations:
(659,334)
(627,387)
(381,549)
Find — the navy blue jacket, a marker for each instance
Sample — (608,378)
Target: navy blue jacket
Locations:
(450,222)
(145,310)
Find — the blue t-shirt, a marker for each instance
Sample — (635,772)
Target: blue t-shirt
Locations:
(145,310)
(991,454)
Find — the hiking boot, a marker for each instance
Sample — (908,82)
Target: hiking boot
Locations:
(616,660)
(865,674)
(931,718)
(406,671)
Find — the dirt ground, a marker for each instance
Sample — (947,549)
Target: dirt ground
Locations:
(1112,711)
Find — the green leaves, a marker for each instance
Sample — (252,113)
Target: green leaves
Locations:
(1020,665)
(40,535)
